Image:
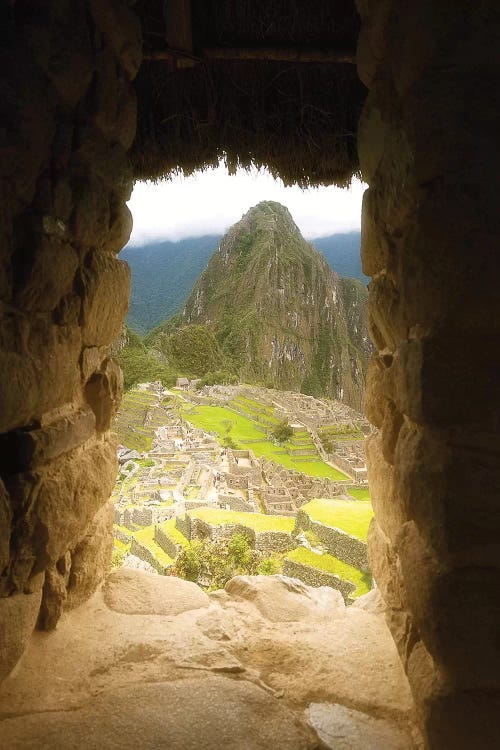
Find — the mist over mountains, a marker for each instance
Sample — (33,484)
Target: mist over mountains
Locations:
(163,273)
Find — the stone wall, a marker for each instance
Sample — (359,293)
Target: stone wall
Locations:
(236,502)
(430,235)
(274,541)
(143,553)
(183,524)
(262,541)
(314,577)
(68,120)
(166,543)
(345,547)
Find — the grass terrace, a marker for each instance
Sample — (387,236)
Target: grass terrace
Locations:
(255,521)
(352,517)
(360,494)
(331,564)
(214,419)
(146,537)
(169,528)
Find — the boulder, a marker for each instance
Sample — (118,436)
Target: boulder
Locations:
(282,599)
(134,592)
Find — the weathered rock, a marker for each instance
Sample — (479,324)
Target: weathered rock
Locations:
(91,558)
(103,392)
(371,602)
(209,713)
(113,654)
(106,283)
(21,450)
(343,728)
(18,616)
(63,497)
(138,593)
(5,527)
(54,593)
(282,599)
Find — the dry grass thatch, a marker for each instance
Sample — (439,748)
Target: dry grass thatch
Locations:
(297,118)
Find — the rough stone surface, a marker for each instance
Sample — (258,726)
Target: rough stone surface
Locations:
(224,674)
(429,242)
(282,599)
(209,712)
(18,616)
(65,177)
(343,728)
(137,593)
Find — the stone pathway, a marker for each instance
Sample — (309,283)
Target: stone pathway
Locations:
(153,662)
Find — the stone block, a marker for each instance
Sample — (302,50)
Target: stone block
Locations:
(91,360)
(21,450)
(5,527)
(91,558)
(115,104)
(106,289)
(389,509)
(384,564)
(122,27)
(378,389)
(18,616)
(391,426)
(90,217)
(54,593)
(454,611)
(372,132)
(120,227)
(103,393)
(374,250)
(39,361)
(135,592)
(60,498)
(385,312)
(49,270)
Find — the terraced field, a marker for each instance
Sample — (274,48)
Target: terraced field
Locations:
(353,518)
(129,423)
(254,521)
(331,564)
(246,434)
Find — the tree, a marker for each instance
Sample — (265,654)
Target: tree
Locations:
(282,432)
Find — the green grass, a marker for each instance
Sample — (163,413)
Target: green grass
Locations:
(360,494)
(146,537)
(123,529)
(255,521)
(169,528)
(331,564)
(121,545)
(349,516)
(212,418)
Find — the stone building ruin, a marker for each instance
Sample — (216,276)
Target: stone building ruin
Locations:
(98,93)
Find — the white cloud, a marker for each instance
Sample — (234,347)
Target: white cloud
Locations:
(210,202)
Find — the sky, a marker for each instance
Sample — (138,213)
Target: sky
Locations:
(210,202)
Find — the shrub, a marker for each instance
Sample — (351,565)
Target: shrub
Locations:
(269,567)
(282,432)
(117,558)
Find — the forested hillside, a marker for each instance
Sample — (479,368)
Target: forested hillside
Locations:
(164,273)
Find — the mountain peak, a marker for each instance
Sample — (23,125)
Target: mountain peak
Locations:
(277,309)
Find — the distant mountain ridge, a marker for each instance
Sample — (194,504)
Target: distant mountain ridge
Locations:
(269,308)
(163,273)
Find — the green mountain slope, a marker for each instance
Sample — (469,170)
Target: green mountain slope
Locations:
(162,276)
(279,314)
(163,273)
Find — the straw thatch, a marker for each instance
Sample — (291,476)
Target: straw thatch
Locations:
(297,118)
